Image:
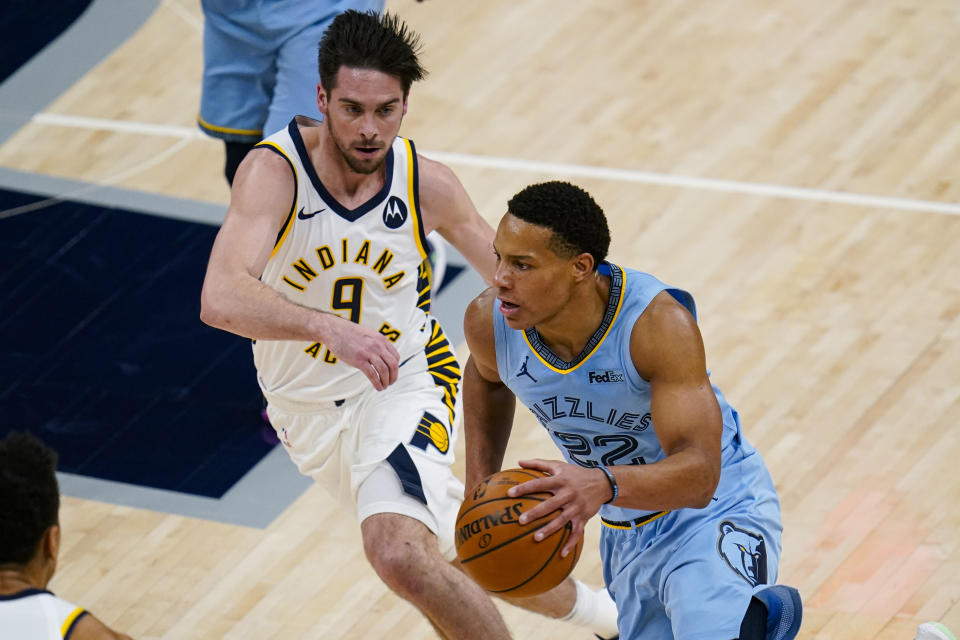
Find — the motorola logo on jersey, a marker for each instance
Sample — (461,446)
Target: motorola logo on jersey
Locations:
(395,213)
(605,376)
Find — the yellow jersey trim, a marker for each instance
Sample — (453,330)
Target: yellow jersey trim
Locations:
(288,224)
(65,627)
(613,321)
(412,197)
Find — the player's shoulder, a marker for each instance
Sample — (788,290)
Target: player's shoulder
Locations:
(665,336)
(437,180)
(263,169)
(478,318)
(87,627)
(270,156)
(665,315)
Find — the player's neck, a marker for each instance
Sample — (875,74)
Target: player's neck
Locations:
(569,330)
(20,579)
(351,189)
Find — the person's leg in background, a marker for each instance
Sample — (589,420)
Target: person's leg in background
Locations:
(239,71)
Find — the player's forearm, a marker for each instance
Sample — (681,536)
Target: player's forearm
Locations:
(488,420)
(249,308)
(475,243)
(685,479)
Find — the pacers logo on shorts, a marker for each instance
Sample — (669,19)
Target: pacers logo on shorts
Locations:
(431,431)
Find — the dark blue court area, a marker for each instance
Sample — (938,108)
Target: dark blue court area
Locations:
(105,357)
(28,26)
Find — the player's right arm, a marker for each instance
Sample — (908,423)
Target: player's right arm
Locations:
(235,300)
(488,404)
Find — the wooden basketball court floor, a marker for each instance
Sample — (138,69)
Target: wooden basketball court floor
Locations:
(792,164)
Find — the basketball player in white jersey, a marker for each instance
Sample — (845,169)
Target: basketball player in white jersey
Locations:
(29,545)
(320,260)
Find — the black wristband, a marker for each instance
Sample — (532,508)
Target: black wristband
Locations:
(613,483)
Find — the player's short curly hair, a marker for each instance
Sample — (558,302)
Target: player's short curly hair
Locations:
(577,221)
(369,40)
(29,496)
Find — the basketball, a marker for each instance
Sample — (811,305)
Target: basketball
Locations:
(498,552)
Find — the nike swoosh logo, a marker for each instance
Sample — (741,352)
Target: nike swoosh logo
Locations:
(307,216)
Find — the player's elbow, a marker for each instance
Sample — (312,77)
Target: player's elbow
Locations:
(709,479)
(702,501)
(212,310)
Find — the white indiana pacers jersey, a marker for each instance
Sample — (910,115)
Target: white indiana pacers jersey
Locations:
(366,265)
(37,614)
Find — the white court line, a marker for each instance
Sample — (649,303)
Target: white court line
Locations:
(185,15)
(561,169)
(121,126)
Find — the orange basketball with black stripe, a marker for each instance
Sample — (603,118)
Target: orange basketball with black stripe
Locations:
(498,552)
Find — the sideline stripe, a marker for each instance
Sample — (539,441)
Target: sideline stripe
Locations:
(690,182)
(582,171)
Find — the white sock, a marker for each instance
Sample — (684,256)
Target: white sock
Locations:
(595,610)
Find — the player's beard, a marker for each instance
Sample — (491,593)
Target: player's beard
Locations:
(363,167)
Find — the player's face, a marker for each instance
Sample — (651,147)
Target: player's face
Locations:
(533,283)
(363,114)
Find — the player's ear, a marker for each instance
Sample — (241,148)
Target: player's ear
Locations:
(321,99)
(51,542)
(582,266)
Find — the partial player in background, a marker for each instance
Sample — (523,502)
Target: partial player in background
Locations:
(321,260)
(611,362)
(29,546)
(259,67)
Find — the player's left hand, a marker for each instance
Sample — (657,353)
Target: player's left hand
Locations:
(578,493)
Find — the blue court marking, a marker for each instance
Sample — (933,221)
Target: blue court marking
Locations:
(107,358)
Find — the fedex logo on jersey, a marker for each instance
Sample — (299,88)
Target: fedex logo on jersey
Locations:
(596,377)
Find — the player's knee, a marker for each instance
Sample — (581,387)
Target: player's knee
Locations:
(397,569)
(398,559)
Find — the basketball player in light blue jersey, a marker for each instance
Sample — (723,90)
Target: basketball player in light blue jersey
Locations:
(320,260)
(611,362)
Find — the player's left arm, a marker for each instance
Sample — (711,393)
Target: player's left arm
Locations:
(446,207)
(667,350)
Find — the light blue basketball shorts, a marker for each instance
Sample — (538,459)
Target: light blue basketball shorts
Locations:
(260,64)
(690,574)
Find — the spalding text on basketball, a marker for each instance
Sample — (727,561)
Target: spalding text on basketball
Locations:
(508,515)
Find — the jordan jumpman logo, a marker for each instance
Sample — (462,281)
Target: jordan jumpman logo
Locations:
(523,369)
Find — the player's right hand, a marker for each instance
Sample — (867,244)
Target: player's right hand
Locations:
(364,349)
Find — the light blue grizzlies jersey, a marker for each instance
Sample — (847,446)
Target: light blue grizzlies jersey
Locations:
(597,408)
